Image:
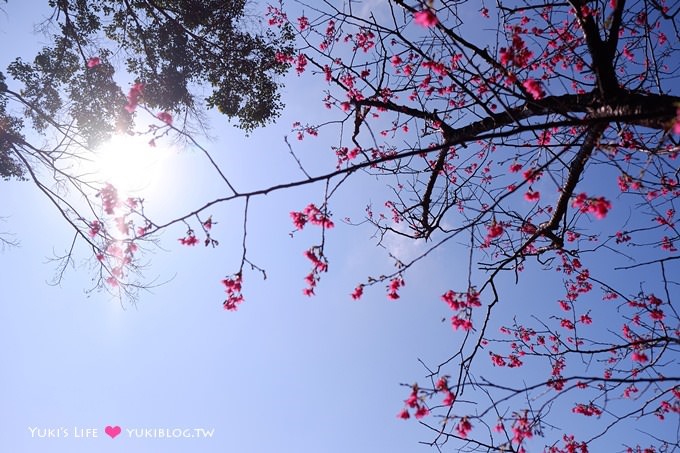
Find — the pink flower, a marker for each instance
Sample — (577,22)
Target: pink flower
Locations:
(598,206)
(404,415)
(233,290)
(358,292)
(587,410)
(303,23)
(464,427)
(134,96)
(421,412)
(532,196)
(657,314)
(313,215)
(395,284)
(534,88)
(95,226)
(494,231)
(449,399)
(425,18)
(109,196)
(300,63)
(190,239)
(299,219)
(93,62)
(412,400)
(532,175)
(165,117)
(515,168)
(497,359)
(639,356)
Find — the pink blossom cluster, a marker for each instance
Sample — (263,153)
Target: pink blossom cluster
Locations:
(165,117)
(494,231)
(425,18)
(303,23)
(190,239)
(518,54)
(358,292)
(393,288)
(462,304)
(95,227)
(134,96)
(93,62)
(313,215)
(233,289)
(109,197)
(521,430)
(598,206)
(345,154)
(464,427)
(442,385)
(534,88)
(319,264)
(570,446)
(414,402)
(587,409)
(276,16)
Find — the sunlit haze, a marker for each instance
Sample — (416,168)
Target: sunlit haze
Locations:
(131,164)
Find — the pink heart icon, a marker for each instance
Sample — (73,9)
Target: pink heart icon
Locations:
(112,431)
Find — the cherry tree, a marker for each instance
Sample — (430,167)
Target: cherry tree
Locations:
(541,135)
(544,136)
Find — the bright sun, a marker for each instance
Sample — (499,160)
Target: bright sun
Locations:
(130,164)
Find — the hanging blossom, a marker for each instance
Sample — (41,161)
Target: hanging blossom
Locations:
(462,304)
(598,206)
(534,88)
(109,196)
(425,18)
(313,215)
(303,23)
(393,288)
(134,96)
(320,264)
(414,402)
(190,239)
(358,292)
(93,62)
(464,427)
(95,227)
(443,386)
(494,231)
(165,117)
(233,289)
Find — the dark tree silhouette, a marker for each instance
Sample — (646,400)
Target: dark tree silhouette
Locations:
(542,134)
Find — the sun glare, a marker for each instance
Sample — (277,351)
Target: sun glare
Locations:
(130,164)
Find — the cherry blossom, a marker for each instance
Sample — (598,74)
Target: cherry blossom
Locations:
(425,18)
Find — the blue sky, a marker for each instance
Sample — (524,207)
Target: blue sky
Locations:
(285,373)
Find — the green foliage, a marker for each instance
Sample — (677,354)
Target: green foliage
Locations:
(176,48)
(10,126)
